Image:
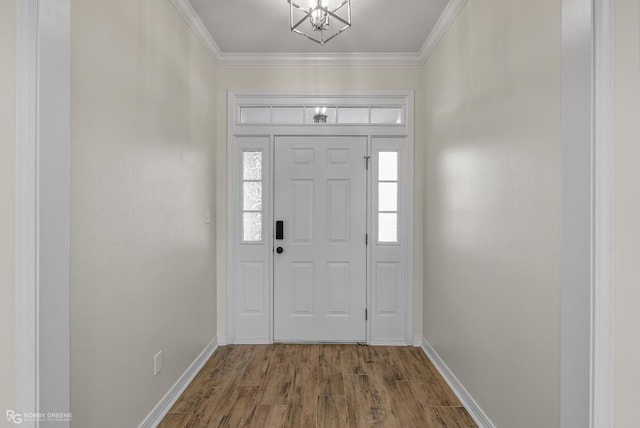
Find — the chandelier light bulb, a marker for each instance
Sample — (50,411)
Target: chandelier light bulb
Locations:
(319,19)
(321,115)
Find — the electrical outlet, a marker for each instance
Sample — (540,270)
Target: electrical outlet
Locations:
(207,217)
(157,363)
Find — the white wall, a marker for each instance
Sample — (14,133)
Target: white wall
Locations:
(626,342)
(7,203)
(310,79)
(143,122)
(492,207)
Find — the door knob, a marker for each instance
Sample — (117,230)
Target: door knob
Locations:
(279,250)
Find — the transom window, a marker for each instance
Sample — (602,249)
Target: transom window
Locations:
(336,115)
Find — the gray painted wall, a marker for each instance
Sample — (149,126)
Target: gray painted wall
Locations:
(492,207)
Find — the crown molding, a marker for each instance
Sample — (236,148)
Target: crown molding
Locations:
(194,22)
(196,25)
(333,58)
(438,31)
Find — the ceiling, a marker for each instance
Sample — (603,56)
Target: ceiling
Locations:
(262,26)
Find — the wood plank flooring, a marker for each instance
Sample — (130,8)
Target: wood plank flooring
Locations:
(317,386)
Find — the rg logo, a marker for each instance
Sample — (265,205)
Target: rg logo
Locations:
(14,417)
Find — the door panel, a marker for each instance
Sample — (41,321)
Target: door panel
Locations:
(320,277)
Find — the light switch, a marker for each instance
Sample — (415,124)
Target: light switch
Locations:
(157,363)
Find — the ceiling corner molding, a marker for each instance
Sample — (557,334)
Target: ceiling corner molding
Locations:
(194,22)
(201,32)
(449,13)
(331,58)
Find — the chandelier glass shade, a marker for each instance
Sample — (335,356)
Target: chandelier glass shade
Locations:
(320,22)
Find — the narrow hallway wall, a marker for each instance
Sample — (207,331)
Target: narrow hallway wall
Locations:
(143,173)
(492,207)
(7,204)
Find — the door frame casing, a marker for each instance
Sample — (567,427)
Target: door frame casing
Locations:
(292,98)
(586,370)
(43,210)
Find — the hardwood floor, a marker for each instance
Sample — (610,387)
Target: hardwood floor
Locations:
(317,386)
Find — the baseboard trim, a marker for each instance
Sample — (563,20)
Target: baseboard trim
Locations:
(475,411)
(417,341)
(162,408)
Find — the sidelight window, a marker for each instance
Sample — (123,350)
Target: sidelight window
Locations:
(388,196)
(252,202)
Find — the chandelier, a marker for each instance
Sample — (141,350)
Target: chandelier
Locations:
(314,22)
(321,115)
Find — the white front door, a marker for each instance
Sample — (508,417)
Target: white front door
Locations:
(320,274)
